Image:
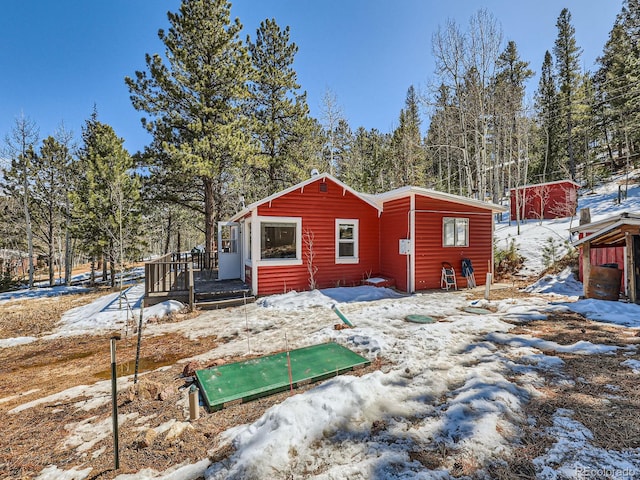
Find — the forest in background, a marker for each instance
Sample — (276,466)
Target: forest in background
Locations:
(230,125)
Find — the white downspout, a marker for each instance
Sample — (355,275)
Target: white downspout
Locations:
(255,251)
(411,274)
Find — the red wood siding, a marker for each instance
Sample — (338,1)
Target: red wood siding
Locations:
(394,225)
(553,200)
(430,252)
(318,211)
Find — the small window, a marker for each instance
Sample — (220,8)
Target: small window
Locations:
(455,232)
(229,240)
(346,241)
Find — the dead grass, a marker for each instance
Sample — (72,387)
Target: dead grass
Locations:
(602,394)
(36,317)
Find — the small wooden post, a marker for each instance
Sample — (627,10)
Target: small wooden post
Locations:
(487,286)
(194,403)
(585,216)
(586,267)
(191,287)
(630,268)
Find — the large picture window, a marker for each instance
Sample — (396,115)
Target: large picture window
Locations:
(279,240)
(346,240)
(455,232)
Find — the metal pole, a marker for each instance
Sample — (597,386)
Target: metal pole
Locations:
(114,402)
(246,321)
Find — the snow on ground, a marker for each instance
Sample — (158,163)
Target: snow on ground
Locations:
(456,386)
(28,294)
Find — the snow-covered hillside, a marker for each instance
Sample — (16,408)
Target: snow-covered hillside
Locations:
(534,234)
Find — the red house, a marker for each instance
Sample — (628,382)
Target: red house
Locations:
(321,233)
(545,200)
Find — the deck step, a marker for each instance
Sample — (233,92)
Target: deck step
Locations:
(224,302)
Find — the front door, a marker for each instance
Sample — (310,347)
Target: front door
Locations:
(229,254)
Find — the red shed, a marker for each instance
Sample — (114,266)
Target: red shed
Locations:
(321,233)
(545,200)
(613,240)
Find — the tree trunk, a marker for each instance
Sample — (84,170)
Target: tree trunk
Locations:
(52,252)
(209,222)
(68,256)
(167,243)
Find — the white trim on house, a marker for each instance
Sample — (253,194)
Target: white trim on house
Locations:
(278,262)
(403,192)
(600,224)
(411,261)
(455,232)
(635,222)
(555,182)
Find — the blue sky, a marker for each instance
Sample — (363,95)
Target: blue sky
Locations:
(59,58)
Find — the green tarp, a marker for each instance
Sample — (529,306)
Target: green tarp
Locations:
(259,377)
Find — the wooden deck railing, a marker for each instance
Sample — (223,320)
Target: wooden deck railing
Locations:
(171,274)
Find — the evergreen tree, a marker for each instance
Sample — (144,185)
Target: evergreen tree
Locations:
(195,99)
(49,197)
(107,198)
(410,165)
(548,166)
(342,150)
(567,56)
(618,85)
(279,110)
(18,179)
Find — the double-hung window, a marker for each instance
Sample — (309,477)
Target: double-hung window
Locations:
(346,240)
(455,232)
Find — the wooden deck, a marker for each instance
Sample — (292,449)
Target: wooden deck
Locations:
(182,277)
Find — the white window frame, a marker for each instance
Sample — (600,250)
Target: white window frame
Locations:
(356,240)
(455,221)
(276,262)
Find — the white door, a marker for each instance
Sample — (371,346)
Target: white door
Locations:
(229,255)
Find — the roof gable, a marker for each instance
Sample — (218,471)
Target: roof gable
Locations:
(324,177)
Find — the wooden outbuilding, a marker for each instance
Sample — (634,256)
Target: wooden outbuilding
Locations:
(321,233)
(614,240)
(548,200)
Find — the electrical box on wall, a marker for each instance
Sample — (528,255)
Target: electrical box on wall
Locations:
(405,246)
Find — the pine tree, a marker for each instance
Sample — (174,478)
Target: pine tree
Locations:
(567,56)
(278,109)
(618,85)
(410,168)
(49,197)
(195,99)
(106,201)
(19,177)
(548,112)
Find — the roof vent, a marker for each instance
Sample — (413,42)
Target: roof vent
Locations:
(314,172)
